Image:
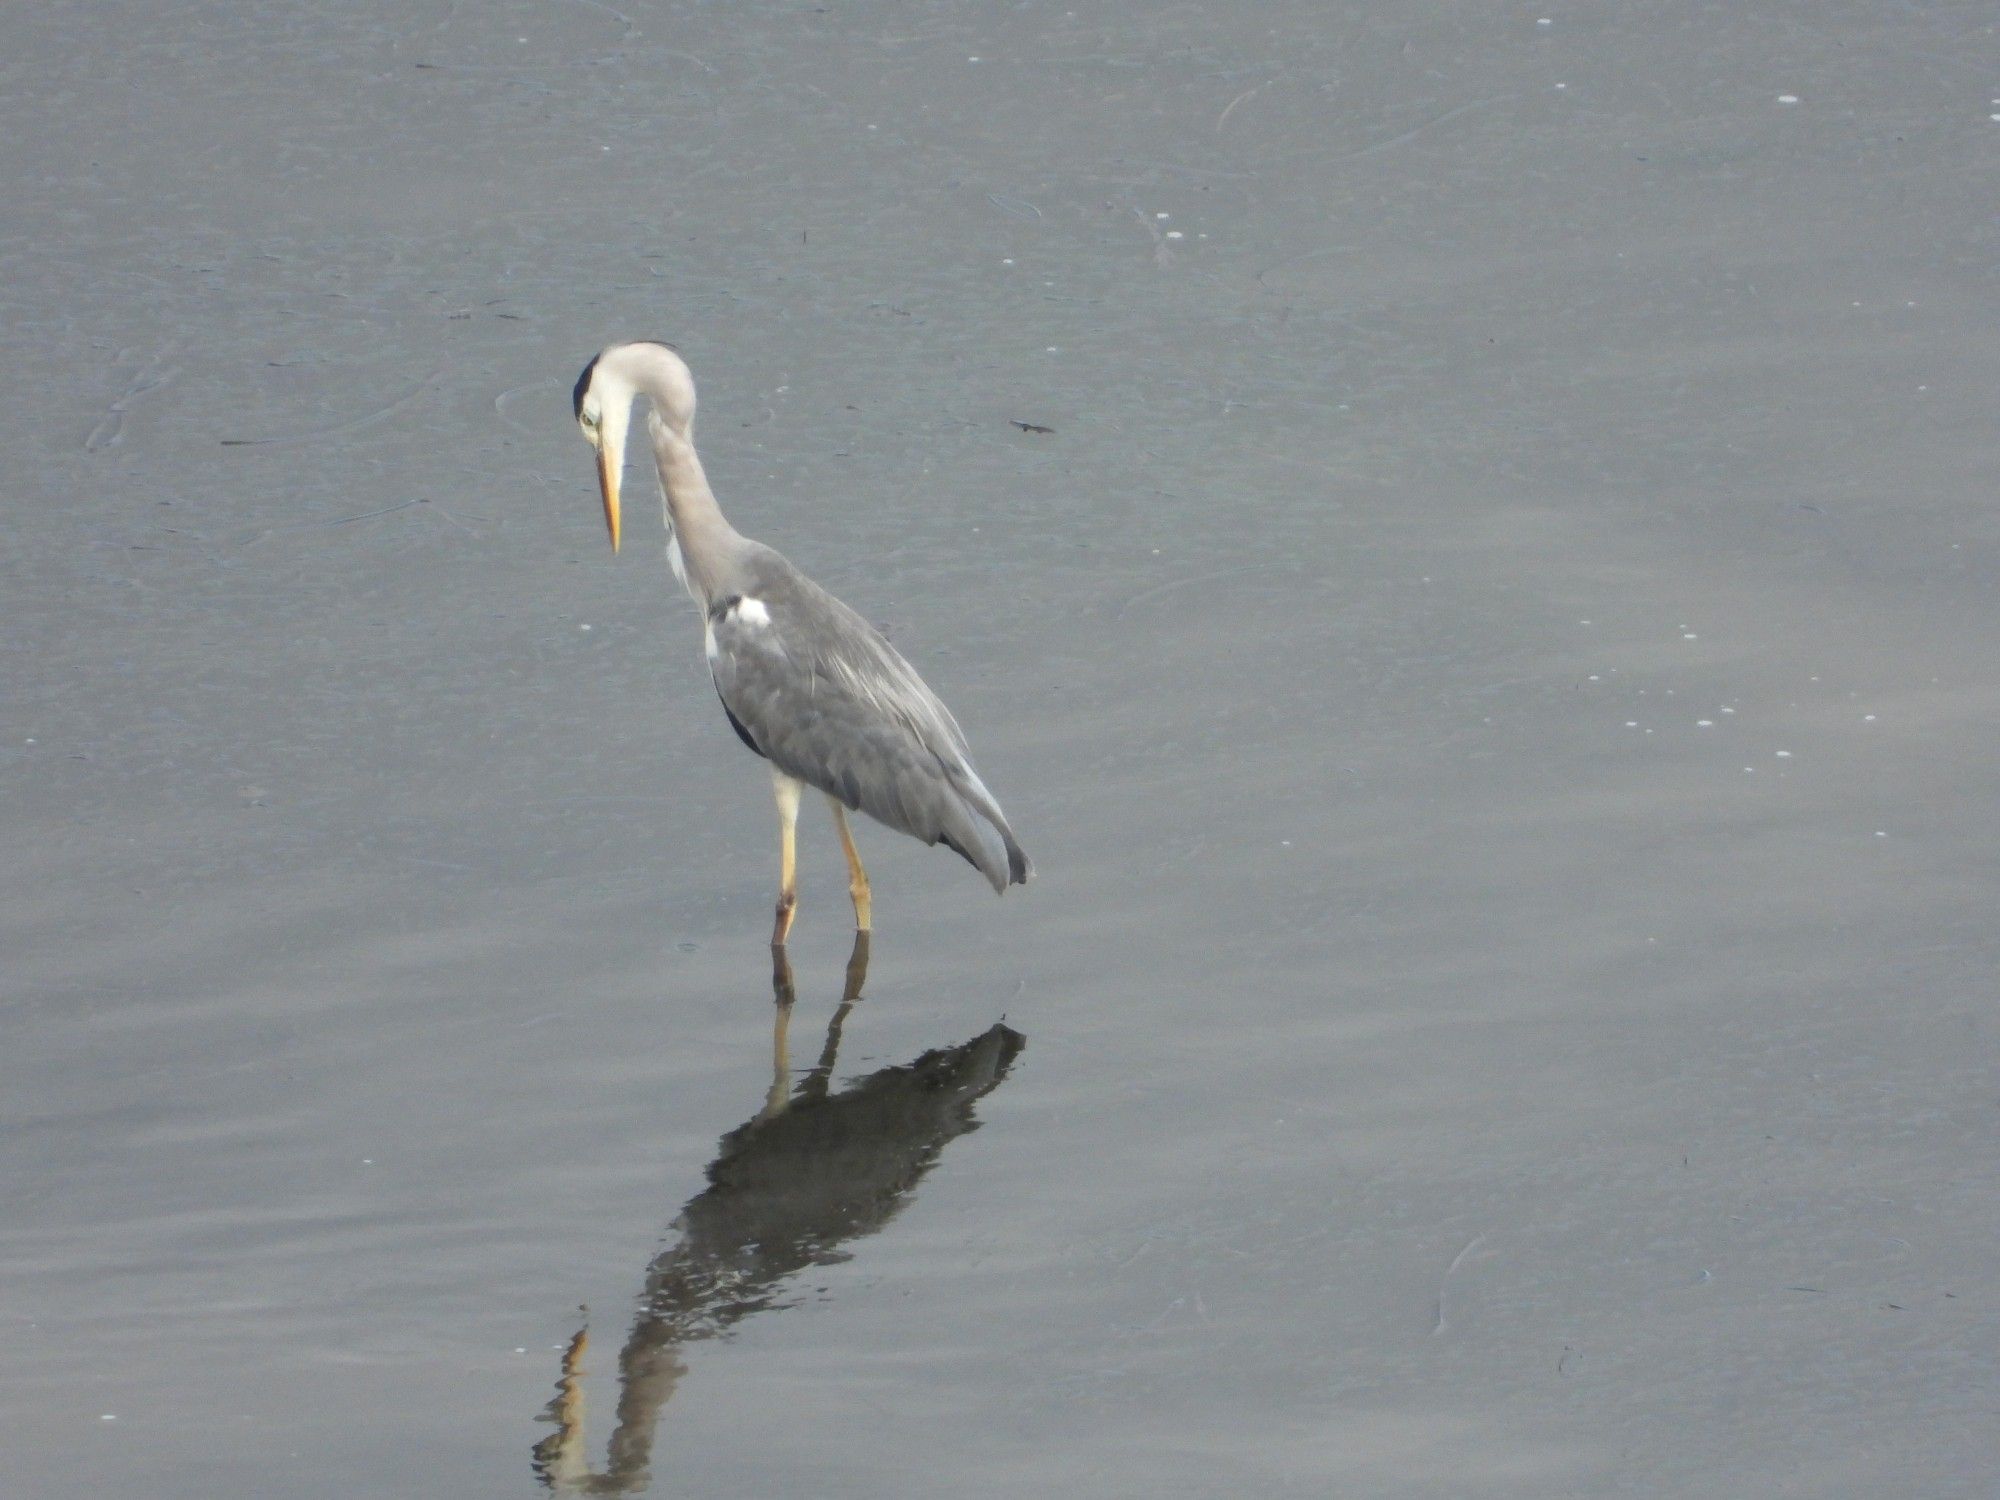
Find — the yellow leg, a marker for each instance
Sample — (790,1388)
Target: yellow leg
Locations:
(787,791)
(857,878)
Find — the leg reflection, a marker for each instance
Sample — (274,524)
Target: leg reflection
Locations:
(782,996)
(816,1083)
(813,1171)
(559,1460)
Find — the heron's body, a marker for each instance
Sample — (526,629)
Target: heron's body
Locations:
(806,682)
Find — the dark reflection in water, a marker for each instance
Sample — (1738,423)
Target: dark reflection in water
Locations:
(810,1172)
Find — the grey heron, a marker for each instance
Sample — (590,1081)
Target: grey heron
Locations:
(806,682)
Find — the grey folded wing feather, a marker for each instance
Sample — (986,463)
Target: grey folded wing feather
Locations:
(816,689)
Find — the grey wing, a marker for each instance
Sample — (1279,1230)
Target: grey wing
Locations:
(816,689)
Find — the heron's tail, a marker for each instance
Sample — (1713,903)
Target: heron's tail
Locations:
(984,838)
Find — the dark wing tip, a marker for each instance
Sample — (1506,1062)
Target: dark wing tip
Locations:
(1019,870)
(991,872)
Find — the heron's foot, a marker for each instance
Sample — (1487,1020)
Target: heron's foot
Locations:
(781,926)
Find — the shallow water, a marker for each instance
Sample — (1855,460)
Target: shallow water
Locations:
(1494,664)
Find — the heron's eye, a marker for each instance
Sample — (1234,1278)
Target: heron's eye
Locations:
(588,420)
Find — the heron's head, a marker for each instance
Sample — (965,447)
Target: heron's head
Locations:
(605,391)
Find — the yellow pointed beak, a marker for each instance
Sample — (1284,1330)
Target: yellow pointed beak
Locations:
(607,481)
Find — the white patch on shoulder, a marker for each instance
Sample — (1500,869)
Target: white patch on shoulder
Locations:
(708,639)
(752,611)
(674,558)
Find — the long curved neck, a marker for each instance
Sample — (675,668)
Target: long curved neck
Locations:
(706,540)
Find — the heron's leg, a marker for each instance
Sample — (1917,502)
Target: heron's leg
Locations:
(857,878)
(787,789)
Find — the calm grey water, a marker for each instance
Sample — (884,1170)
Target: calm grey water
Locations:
(1495,664)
